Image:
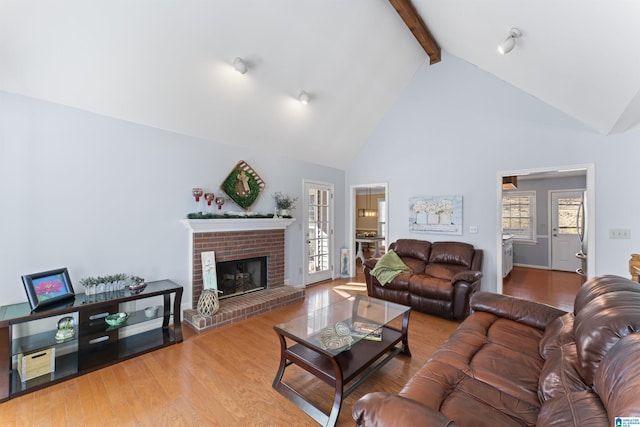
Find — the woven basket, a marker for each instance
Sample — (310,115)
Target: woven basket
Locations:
(208,303)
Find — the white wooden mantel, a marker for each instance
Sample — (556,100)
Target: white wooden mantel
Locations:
(236,224)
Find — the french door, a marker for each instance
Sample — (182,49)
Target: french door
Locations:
(318,223)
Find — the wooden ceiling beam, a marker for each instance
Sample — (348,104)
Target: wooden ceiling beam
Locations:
(417,26)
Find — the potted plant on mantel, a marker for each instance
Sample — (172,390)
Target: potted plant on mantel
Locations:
(284,204)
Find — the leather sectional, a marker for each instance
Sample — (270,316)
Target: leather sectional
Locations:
(514,362)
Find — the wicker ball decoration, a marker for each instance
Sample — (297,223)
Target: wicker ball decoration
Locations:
(208,303)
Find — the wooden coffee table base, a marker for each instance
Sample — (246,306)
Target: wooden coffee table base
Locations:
(352,366)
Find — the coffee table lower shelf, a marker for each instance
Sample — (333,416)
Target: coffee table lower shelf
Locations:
(351,367)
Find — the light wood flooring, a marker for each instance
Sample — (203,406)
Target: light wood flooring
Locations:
(220,378)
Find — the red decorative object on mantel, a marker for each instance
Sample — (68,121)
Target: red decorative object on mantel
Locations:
(209,197)
(220,201)
(197,193)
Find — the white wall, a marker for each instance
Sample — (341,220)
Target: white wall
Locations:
(455,127)
(100,196)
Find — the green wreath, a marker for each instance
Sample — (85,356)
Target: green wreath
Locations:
(229,187)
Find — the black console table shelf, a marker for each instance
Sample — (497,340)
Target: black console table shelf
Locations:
(95,344)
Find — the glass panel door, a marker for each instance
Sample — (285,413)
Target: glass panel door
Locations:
(319,235)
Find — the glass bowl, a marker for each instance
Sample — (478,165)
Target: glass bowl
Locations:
(116,319)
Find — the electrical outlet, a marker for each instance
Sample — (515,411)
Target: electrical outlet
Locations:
(619,233)
(473,229)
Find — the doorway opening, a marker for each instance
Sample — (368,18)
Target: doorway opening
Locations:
(536,249)
(368,225)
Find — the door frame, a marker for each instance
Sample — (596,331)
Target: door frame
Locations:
(352,220)
(591,205)
(305,228)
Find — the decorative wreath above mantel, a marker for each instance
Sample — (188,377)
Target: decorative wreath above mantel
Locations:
(243,185)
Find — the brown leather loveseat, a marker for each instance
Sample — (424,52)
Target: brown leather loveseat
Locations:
(443,276)
(514,362)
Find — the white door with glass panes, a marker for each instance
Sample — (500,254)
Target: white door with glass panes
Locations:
(565,242)
(318,223)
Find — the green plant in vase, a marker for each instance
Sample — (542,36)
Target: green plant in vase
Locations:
(284,203)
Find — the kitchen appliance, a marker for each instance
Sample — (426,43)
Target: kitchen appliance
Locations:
(581,225)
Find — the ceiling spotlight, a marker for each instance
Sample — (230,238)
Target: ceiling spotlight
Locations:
(510,42)
(303,98)
(240,65)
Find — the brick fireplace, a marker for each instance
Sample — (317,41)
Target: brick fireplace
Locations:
(235,239)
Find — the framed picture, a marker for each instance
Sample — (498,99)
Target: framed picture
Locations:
(436,214)
(48,287)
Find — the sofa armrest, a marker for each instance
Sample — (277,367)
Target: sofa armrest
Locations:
(464,285)
(469,276)
(385,409)
(530,313)
(370,263)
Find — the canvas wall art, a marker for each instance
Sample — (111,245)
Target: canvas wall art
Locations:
(436,214)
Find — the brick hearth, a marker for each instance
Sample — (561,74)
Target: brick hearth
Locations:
(243,307)
(233,240)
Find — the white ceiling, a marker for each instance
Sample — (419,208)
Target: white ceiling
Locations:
(167,63)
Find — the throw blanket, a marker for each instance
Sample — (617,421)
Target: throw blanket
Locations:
(388,267)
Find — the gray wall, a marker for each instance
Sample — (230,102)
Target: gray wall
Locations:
(537,254)
(100,196)
(455,129)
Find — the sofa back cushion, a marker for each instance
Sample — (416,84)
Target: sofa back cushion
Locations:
(618,379)
(455,253)
(597,286)
(412,248)
(414,253)
(600,324)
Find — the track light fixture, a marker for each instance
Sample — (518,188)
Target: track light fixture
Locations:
(240,65)
(510,42)
(303,97)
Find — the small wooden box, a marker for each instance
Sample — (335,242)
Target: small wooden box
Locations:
(37,363)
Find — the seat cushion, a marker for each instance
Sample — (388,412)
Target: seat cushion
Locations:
(430,287)
(487,363)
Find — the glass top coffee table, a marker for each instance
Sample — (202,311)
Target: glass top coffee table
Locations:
(343,343)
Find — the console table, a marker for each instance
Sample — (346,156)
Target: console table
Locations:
(95,344)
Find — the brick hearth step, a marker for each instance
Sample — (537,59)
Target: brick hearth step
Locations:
(243,307)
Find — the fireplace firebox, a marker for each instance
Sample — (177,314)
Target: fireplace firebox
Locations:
(241,276)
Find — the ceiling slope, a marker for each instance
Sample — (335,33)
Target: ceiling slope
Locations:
(577,56)
(167,64)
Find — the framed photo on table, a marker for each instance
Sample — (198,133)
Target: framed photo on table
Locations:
(47,287)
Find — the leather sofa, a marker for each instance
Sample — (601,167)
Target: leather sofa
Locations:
(514,362)
(443,276)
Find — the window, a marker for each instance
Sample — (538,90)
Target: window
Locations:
(519,215)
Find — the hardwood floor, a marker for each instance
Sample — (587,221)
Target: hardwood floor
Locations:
(556,288)
(223,377)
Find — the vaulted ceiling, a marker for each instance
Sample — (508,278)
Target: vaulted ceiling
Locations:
(168,63)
